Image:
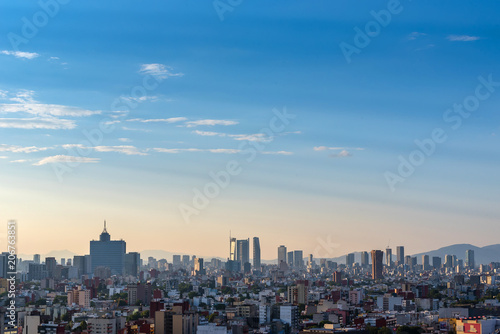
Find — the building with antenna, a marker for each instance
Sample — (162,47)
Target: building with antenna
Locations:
(108,253)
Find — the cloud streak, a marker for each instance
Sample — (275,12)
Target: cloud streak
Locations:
(65,159)
(20,54)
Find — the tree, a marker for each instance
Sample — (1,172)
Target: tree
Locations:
(409,330)
(384,330)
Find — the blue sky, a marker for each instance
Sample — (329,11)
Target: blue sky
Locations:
(218,82)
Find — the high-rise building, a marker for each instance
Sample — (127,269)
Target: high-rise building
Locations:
(298,259)
(436,262)
(281,254)
(350,259)
(36,258)
(470,262)
(365,259)
(426,262)
(388,257)
(400,255)
(50,265)
(449,263)
(243,252)
(198,267)
(185,261)
(79,263)
(108,253)
(377,264)
(232,248)
(132,264)
(290,259)
(256,253)
(176,261)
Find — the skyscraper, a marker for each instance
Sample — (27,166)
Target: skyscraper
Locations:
(426,262)
(256,253)
(281,254)
(132,263)
(36,258)
(365,260)
(108,253)
(50,264)
(400,255)
(243,252)
(470,262)
(377,264)
(290,259)
(436,262)
(388,257)
(298,259)
(232,248)
(350,259)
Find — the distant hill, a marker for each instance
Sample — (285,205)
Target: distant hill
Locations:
(483,255)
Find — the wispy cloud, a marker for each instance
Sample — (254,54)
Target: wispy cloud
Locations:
(20,54)
(124,149)
(159,70)
(278,153)
(22,149)
(210,122)
(20,161)
(341,154)
(180,150)
(26,103)
(125,140)
(65,159)
(462,38)
(257,137)
(158,120)
(37,123)
(326,148)
(414,35)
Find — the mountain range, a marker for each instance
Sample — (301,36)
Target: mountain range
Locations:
(483,255)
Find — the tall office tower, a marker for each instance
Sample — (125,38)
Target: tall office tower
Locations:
(388,257)
(448,262)
(4,268)
(176,261)
(108,253)
(290,259)
(198,267)
(68,262)
(350,259)
(377,264)
(132,264)
(50,264)
(281,254)
(470,262)
(232,248)
(311,260)
(298,259)
(185,261)
(400,255)
(243,252)
(79,263)
(36,258)
(256,253)
(365,259)
(436,262)
(426,262)
(63,261)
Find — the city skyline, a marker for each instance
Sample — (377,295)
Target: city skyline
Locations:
(177,125)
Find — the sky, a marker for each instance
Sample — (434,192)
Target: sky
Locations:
(326,126)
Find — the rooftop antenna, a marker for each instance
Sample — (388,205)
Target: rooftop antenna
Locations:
(104,231)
